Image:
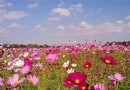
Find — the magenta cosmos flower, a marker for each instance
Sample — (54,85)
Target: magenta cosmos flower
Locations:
(87,64)
(51,57)
(14,81)
(33,79)
(76,78)
(100,86)
(116,78)
(108,60)
(68,83)
(27,62)
(25,69)
(83,86)
(1,81)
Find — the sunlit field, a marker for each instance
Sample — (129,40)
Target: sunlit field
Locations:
(78,67)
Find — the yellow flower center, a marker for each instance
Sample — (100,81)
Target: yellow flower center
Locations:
(107,61)
(26,71)
(32,80)
(16,82)
(69,82)
(83,88)
(77,81)
(87,66)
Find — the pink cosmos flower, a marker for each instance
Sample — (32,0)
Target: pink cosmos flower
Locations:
(100,86)
(51,57)
(33,79)
(116,78)
(25,69)
(14,81)
(1,81)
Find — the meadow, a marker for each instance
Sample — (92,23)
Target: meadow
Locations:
(77,67)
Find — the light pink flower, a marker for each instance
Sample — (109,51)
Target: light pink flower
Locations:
(25,69)
(100,86)
(1,81)
(14,81)
(116,78)
(33,79)
(51,57)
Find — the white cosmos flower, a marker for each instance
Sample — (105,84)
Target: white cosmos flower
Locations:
(71,70)
(19,63)
(63,56)
(9,63)
(26,54)
(66,64)
(73,65)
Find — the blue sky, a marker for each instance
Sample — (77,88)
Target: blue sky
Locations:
(56,22)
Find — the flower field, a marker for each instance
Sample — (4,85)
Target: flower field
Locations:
(78,67)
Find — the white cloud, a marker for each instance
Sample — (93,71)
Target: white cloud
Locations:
(61,27)
(119,22)
(4,5)
(9,4)
(127,18)
(15,26)
(76,7)
(92,12)
(59,5)
(54,19)
(119,27)
(40,27)
(34,5)
(15,15)
(84,25)
(61,11)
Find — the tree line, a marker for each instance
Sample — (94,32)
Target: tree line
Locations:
(121,43)
(25,46)
(45,45)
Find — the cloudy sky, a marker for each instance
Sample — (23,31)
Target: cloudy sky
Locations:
(64,21)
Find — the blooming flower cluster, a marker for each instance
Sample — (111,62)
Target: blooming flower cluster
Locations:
(77,79)
(89,67)
(69,68)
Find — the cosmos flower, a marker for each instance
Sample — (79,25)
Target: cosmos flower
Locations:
(51,57)
(14,81)
(25,69)
(83,86)
(108,60)
(27,62)
(87,64)
(33,79)
(1,81)
(26,54)
(100,86)
(73,65)
(66,64)
(116,78)
(70,70)
(68,83)
(19,63)
(76,78)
